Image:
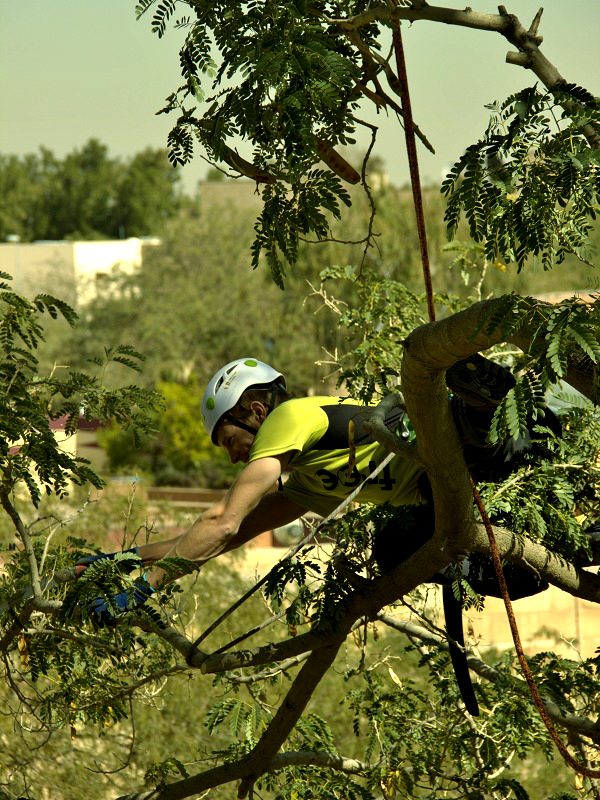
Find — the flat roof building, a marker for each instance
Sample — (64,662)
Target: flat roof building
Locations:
(68,270)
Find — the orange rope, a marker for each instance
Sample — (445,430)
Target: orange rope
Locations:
(413,163)
(590,773)
(418,202)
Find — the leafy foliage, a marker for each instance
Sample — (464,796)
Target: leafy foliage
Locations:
(29,450)
(375,325)
(551,499)
(566,332)
(284,218)
(289,84)
(530,185)
(87,194)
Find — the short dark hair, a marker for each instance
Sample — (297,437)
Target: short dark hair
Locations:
(263,394)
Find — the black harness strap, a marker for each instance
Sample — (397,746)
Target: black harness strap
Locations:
(238,422)
(458,656)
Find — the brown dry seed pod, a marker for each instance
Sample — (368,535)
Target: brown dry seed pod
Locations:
(245,167)
(335,162)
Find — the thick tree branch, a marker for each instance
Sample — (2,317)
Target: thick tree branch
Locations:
(508,25)
(27,543)
(288,713)
(367,602)
(438,345)
(259,760)
(437,553)
(429,351)
(293,758)
(377,428)
(269,673)
(542,562)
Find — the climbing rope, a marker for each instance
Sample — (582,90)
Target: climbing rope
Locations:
(418,203)
(589,773)
(413,164)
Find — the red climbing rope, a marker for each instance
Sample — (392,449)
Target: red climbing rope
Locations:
(590,773)
(413,163)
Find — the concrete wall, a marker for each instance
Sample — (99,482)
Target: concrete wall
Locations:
(551,620)
(41,267)
(69,270)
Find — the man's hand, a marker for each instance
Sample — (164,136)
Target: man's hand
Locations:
(103,611)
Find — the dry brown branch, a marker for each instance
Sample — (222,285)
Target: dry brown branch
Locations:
(527,41)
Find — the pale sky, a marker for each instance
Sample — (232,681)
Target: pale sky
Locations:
(75,69)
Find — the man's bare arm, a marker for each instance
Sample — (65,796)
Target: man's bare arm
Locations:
(232,521)
(273,511)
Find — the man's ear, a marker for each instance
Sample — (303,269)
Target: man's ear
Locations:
(260,409)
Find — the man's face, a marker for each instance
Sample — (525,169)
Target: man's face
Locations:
(236,441)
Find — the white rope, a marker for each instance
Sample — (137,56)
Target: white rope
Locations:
(343,505)
(290,554)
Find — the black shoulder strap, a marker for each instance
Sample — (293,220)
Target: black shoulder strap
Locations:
(339,416)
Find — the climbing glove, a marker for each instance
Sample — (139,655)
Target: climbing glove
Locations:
(103,611)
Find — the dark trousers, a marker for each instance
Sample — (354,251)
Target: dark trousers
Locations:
(411,526)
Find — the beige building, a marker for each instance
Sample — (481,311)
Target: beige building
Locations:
(69,270)
(552,620)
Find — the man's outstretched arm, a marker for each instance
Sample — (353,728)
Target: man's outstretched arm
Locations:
(248,508)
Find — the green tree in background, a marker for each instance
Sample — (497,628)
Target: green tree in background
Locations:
(149,194)
(87,195)
(178,452)
(194,302)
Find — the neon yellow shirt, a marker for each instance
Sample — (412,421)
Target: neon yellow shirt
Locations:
(315,430)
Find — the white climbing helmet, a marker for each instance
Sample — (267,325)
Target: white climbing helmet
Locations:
(228,384)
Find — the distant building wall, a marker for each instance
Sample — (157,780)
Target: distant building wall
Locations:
(41,267)
(68,270)
(92,260)
(552,620)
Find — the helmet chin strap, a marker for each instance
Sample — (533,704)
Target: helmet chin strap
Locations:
(239,424)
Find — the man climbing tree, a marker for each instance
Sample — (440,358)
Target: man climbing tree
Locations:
(330,455)
(528,190)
